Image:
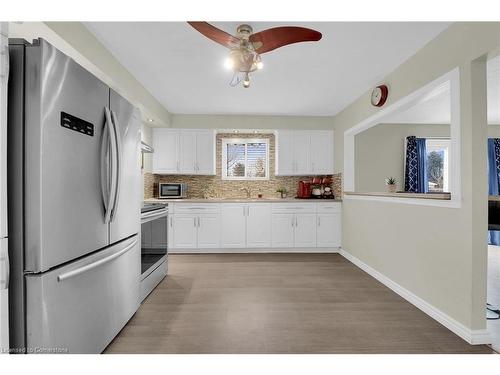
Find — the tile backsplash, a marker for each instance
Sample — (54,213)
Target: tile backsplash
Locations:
(217,187)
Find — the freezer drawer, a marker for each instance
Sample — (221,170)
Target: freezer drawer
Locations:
(79,308)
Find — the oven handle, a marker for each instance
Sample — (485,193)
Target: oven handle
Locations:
(155,214)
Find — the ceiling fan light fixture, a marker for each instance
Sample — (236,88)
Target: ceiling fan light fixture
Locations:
(246,81)
(229,63)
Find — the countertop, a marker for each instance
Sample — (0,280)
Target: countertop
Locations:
(241,200)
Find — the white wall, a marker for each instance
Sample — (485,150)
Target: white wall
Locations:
(439,254)
(379,153)
(76,41)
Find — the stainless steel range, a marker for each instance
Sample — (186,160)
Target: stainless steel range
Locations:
(154,252)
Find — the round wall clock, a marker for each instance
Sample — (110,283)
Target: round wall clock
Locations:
(379,95)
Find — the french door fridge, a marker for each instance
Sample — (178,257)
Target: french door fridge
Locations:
(4,256)
(74,193)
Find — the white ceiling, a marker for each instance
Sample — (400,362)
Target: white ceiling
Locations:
(434,108)
(184,70)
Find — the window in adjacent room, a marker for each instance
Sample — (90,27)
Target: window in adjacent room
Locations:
(437,163)
(245,159)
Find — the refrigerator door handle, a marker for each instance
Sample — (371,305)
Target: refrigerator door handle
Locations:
(119,163)
(88,267)
(107,188)
(4,259)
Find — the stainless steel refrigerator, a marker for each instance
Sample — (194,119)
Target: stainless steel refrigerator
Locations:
(74,204)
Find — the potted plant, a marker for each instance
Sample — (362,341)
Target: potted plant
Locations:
(391,184)
(282,191)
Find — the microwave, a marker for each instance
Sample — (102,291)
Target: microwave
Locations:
(172,190)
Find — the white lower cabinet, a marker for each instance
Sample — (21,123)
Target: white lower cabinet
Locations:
(328,230)
(258,225)
(282,230)
(208,231)
(233,225)
(305,230)
(301,225)
(184,231)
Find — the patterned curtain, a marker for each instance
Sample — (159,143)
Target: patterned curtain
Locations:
(494,181)
(416,165)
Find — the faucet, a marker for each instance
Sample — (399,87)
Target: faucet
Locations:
(247,190)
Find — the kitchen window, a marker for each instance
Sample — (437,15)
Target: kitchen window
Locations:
(245,159)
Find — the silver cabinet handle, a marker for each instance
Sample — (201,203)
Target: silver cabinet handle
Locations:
(319,221)
(194,221)
(293,222)
(171,222)
(296,222)
(199,221)
(100,262)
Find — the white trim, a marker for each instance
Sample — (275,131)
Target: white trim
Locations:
(452,79)
(474,337)
(245,142)
(268,250)
(397,200)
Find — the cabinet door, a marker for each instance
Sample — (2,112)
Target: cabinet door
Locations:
(328,230)
(322,152)
(184,231)
(205,152)
(259,225)
(166,155)
(208,231)
(285,162)
(187,151)
(301,152)
(305,230)
(282,230)
(233,225)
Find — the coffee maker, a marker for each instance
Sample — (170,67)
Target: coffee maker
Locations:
(304,190)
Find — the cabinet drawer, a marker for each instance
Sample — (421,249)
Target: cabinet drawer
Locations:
(299,207)
(329,207)
(196,208)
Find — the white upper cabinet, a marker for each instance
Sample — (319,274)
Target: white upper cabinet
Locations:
(187,152)
(205,152)
(322,152)
(285,161)
(184,151)
(304,152)
(166,151)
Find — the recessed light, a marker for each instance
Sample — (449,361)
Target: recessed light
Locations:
(150,120)
(236,131)
(255,131)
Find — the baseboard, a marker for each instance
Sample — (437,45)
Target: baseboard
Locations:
(474,337)
(264,250)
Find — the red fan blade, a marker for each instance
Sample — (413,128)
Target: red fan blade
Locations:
(276,37)
(217,35)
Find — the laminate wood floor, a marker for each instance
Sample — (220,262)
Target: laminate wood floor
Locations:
(279,303)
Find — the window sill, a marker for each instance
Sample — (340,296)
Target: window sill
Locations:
(433,199)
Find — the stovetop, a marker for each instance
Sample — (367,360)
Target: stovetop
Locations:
(152,206)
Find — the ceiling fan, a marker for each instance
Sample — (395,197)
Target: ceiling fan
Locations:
(246,47)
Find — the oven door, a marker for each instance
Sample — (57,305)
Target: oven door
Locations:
(154,227)
(170,190)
